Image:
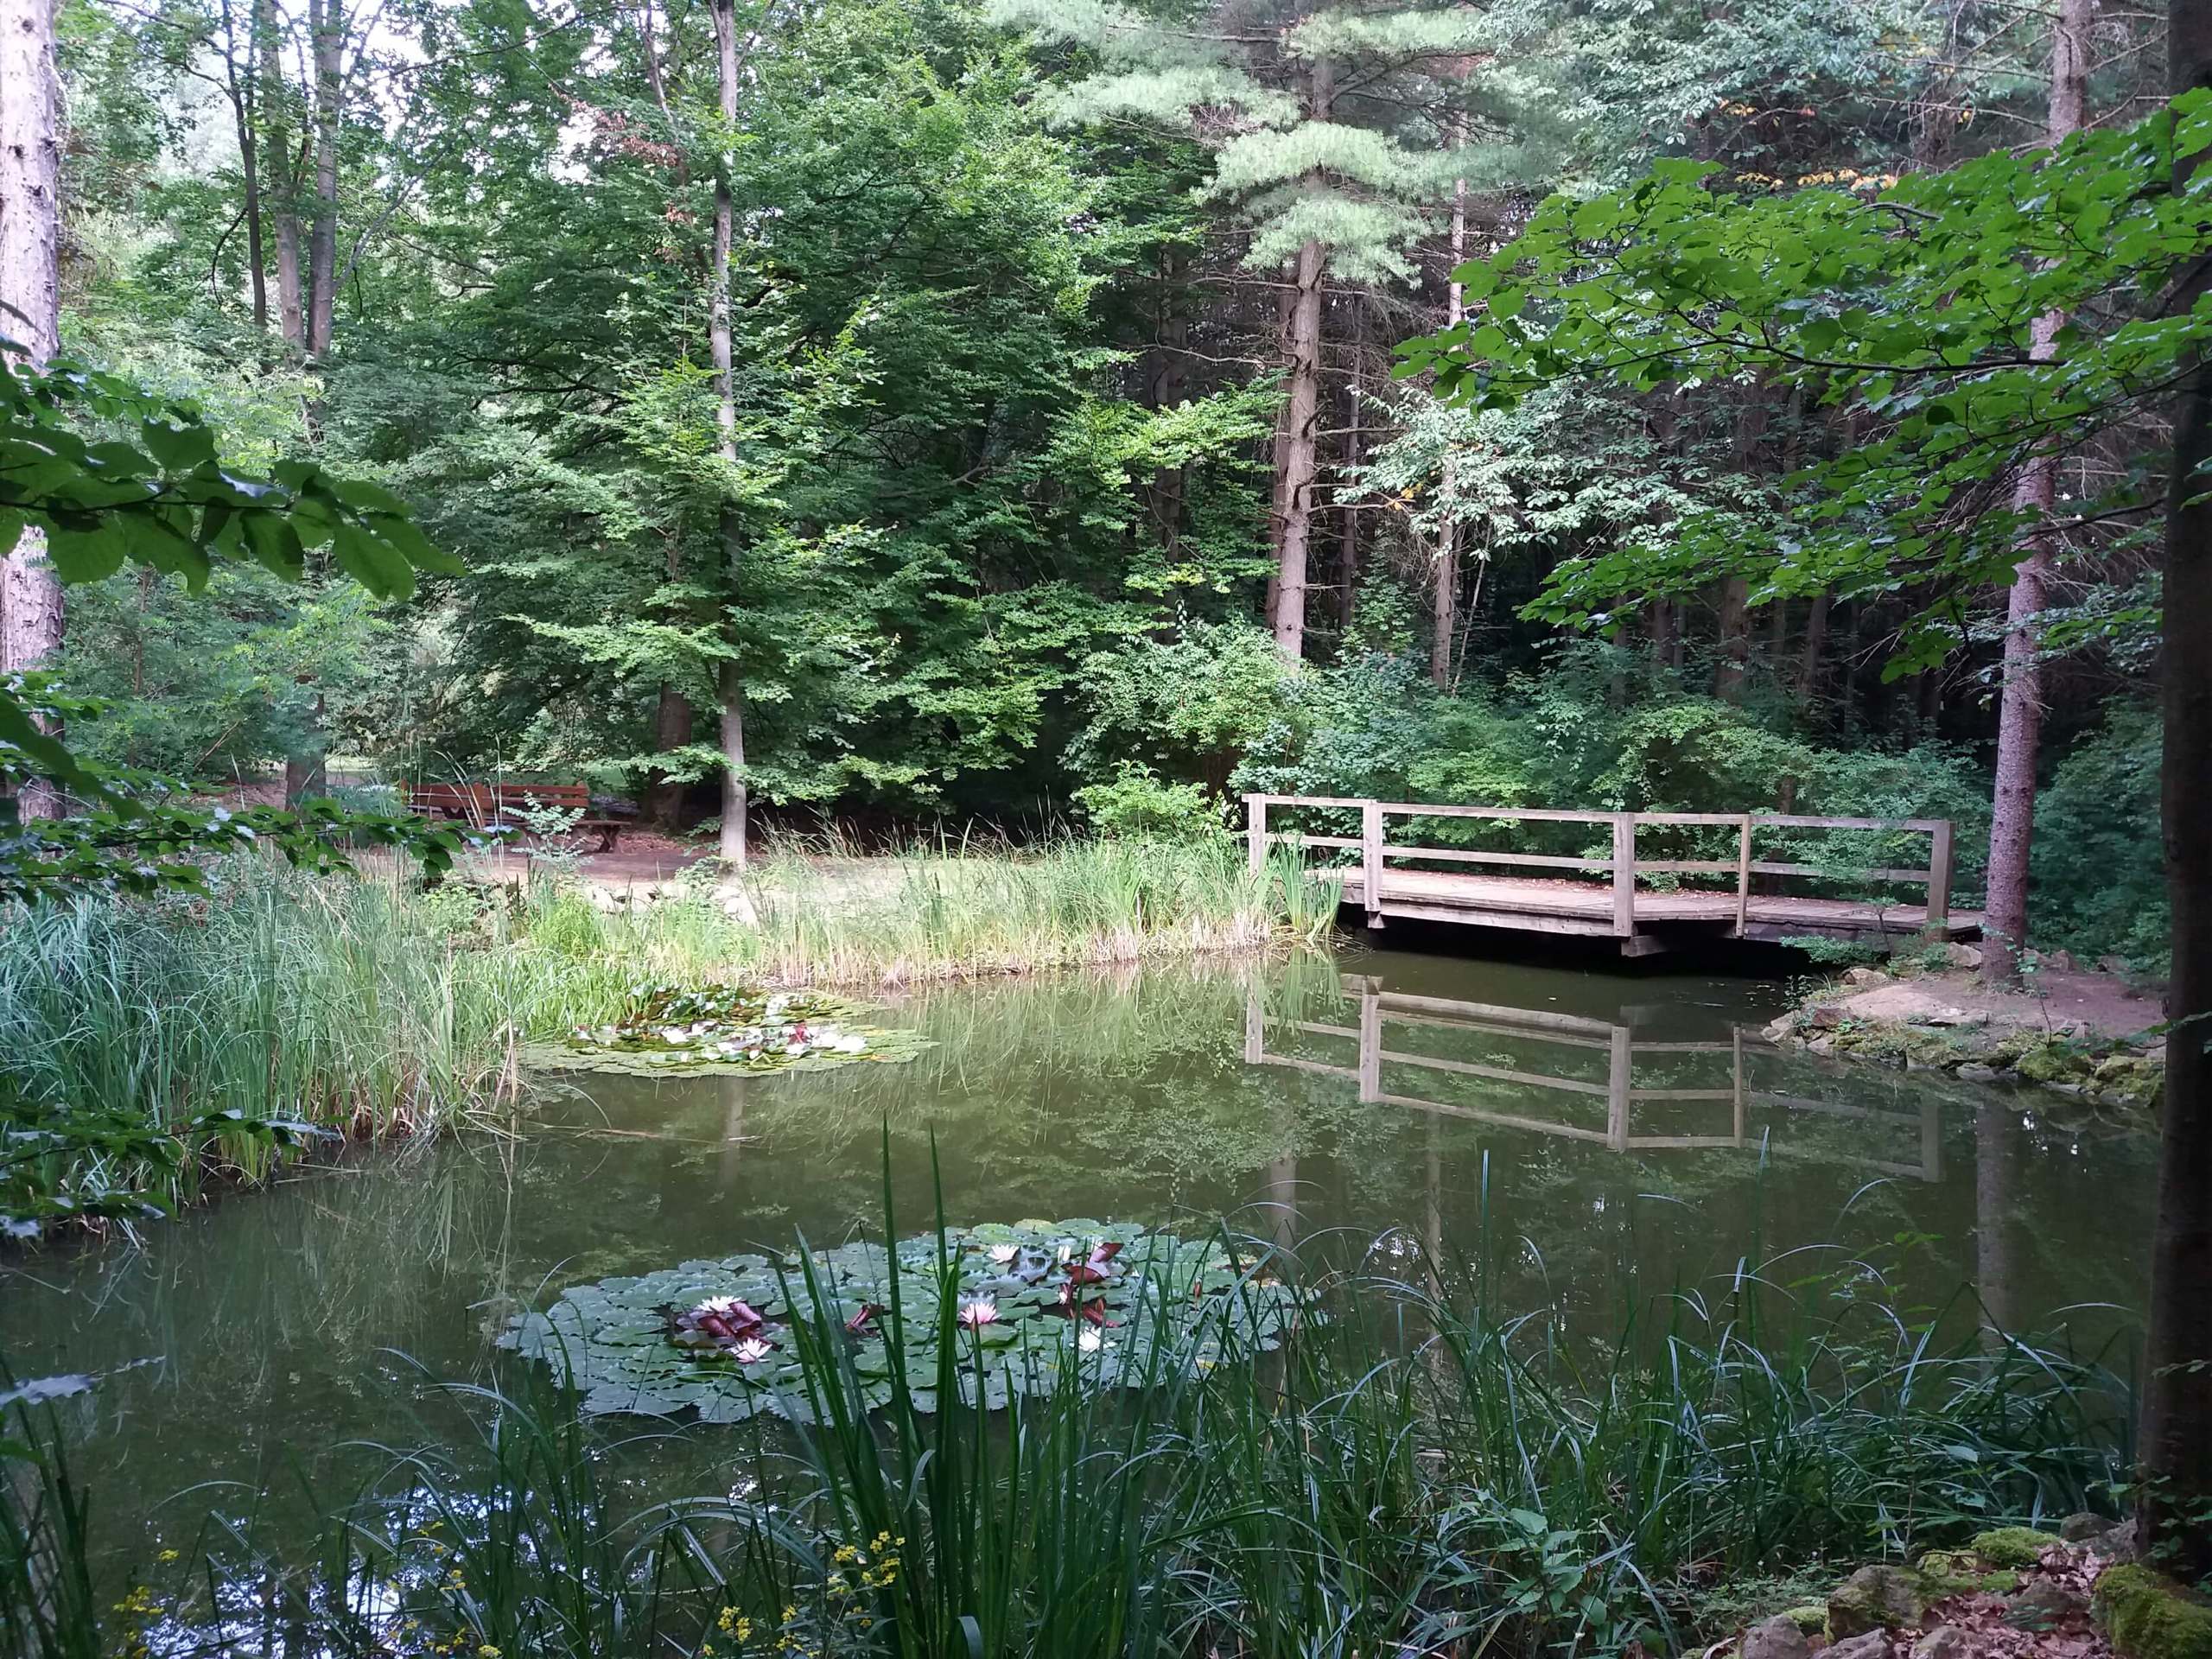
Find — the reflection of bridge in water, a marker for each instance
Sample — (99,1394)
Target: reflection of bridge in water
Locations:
(1732,1103)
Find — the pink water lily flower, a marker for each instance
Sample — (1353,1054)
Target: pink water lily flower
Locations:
(979,1311)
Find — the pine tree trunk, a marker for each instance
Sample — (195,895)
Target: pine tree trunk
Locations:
(2020,708)
(2176,1430)
(1278,451)
(1446,603)
(1172,335)
(1300,449)
(730,680)
(326,26)
(1348,508)
(1299,454)
(30,312)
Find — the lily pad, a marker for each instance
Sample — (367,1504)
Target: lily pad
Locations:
(1032,1306)
(664,1028)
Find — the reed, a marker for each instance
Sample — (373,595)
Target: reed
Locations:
(1411,1475)
(145,1046)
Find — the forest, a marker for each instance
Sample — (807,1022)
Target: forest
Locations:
(916,467)
(1054,372)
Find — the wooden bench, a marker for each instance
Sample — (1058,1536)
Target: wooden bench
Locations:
(487,805)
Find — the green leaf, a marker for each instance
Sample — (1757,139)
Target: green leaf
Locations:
(179,447)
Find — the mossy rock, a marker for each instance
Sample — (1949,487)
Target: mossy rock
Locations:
(2016,1547)
(2054,1063)
(2149,1617)
(1950,1573)
(1878,1597)
(2003,1582)
(1811,1618)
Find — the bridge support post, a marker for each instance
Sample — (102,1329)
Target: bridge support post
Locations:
(1371,855)
(1937,924)
(1256,832)
(1624,874)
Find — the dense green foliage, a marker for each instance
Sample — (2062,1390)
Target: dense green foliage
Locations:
(1004,325)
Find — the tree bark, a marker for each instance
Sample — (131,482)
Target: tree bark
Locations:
(1446,601)
(241,81)
(1301,420)
(1171,335)
(2176,1494)
(2020,708)
(729,676)
(327,24)
(283,168)
(30,312)
(1730,670)
(1348,516)
(1816,639)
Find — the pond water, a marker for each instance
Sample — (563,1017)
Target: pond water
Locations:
(1596,1137)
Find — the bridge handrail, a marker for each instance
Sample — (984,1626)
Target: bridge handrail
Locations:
(1622,864)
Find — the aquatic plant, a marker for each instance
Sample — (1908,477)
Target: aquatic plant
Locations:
(1024,1308)
(672,1026)
(372,1009)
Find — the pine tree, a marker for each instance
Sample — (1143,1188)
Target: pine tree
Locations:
(1328,127)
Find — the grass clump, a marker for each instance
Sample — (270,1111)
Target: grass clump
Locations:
(1406,1474)
(149,1046)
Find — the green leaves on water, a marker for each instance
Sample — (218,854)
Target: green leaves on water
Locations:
(1031,1306)
(665,1027)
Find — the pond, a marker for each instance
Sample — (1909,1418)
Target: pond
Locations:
(1593,1138)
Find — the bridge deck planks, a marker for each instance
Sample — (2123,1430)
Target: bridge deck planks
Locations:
(1530,902)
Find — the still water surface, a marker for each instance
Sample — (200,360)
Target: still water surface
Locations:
(1599,1138)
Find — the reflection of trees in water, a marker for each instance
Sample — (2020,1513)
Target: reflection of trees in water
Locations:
(1128,1095)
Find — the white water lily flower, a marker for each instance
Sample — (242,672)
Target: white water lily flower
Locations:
(717,1304)
(1089,1340)
(1003,1254)
(851,1044)
(795,1050)
(977,1312)
(752,1351)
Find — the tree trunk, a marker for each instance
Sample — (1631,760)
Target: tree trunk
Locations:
(1446,603)
(1348,507)
(2176,1495)
(282,168)
(30,312)
(2020,708)
(1816,639)
(328,30)
(1279,452)
(241,83)
(1171,333)
(671,730)
(1299,454)
(1301,420)
(729,676)
(733,845)
(1730,670)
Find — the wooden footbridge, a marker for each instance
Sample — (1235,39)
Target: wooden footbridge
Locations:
(1580,1079)
(1642,900)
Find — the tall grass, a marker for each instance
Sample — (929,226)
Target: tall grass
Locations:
(1409,1476)
(142,1044)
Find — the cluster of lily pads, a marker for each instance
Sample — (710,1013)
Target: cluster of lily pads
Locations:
(663,1027)
(1027,1307)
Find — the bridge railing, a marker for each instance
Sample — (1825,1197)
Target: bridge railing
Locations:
(1624,867)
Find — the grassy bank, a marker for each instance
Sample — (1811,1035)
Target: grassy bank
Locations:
(146,1045)
(1410,1475)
